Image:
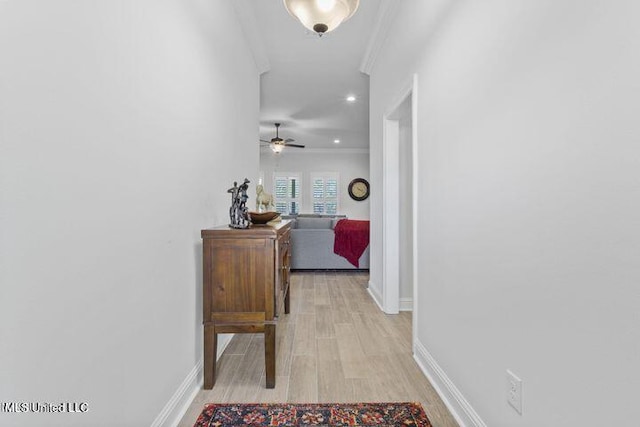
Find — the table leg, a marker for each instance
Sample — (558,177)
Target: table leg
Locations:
(287,300)
(270,354)
(210,353)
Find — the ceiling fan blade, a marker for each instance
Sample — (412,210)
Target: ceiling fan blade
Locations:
(262,140)
(289,140)
(294,145)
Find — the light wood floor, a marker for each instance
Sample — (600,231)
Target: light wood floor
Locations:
(334,346)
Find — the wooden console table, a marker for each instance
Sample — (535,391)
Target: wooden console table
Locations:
(245,288)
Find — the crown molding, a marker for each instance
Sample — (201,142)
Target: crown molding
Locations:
(335,151)
(249,25)
(386,13)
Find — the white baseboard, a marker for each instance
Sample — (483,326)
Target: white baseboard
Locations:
(179,403)
(375,295)
(181,399)
(459,407)
(406,304)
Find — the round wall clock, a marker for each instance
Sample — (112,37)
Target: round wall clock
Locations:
(359,189)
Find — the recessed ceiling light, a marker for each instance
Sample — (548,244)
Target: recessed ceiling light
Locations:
(351,98)
(336,141)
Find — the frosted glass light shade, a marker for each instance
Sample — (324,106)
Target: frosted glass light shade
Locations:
(321,16)
(277,147)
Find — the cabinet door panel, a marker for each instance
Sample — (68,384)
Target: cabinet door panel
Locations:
(282,270)
(241,270)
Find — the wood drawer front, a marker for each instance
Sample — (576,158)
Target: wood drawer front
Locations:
(284,241)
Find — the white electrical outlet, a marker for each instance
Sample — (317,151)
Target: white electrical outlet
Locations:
(514,391)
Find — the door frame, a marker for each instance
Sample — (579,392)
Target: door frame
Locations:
(390,203)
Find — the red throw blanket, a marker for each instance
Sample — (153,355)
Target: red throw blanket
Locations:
(352,238)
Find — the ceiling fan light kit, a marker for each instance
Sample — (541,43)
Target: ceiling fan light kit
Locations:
(277,147)
(321,16)
(277,144)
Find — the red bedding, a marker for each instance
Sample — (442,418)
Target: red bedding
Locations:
(352,238)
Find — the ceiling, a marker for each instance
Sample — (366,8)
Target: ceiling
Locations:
(307,78)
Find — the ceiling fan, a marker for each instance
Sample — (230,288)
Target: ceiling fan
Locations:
(277,143)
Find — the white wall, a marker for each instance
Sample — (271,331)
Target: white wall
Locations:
(529,238)
(111,162)
(348,165)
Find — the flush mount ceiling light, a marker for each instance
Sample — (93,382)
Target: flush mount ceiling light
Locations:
(321,16)
(336,141)
(351,98)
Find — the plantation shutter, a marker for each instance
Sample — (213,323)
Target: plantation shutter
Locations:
(324,189)
(287,193)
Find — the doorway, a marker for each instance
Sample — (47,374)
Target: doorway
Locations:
(399,287)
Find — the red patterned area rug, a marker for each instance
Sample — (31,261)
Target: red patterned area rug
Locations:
(313,414)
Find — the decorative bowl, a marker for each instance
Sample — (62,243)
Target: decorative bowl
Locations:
(263,217)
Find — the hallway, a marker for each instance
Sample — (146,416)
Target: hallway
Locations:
(334,346)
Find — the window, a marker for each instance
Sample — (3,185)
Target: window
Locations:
(324,191)
(286,192)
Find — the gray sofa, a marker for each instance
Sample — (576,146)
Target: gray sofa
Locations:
(312,240)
